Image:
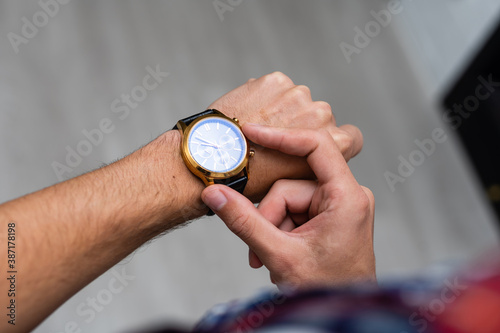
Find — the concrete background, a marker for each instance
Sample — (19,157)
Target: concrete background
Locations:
(64,79)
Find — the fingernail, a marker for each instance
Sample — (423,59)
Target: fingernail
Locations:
(215,199)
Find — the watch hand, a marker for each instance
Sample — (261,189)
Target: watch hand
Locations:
(207,142)
(222,158)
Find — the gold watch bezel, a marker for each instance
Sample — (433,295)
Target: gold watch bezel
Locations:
(208,176)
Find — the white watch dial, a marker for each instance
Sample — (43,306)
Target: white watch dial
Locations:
(217,144)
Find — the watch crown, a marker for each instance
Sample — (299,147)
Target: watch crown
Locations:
(251,153)
(236,120)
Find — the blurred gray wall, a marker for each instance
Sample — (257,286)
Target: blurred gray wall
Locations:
(66,76)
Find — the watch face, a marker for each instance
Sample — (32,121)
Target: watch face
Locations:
(217,144)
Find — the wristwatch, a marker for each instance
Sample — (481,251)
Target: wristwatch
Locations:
(215,149)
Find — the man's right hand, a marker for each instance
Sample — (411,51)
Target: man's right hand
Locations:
(306,233)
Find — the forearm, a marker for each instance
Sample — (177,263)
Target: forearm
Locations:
(70,233)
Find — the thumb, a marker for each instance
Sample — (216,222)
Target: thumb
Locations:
(242,218)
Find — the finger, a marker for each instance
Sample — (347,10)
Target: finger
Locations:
(288,224)
(371,198)
(242,218)
(284,195)
(287,196)
(349,139)
(300,219)
(253,260)
(322,153)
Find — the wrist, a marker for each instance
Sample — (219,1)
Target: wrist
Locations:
(168,194)
(182,188)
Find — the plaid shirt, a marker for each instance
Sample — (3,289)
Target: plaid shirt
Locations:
(465,302)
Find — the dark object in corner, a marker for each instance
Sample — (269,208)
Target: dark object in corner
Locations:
(472,108)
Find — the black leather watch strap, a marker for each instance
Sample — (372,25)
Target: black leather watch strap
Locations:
(237,184)
(192,118)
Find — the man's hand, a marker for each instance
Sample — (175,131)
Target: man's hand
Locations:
(275,100)
(76,230)
(306,233)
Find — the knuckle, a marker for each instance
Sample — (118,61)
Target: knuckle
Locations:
(282,187)
(277,78)
(323,111)
(353,131)
(334,193)
(303,89)
(242,226)
(364,206)
(280,184)
(300,93)
(321,135)
(323,115)
(344,141)
(370,197)
(364,203)
(349,141)
(324,106)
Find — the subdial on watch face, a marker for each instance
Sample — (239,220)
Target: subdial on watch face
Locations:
(226,142)
(222,157)
(205,151)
